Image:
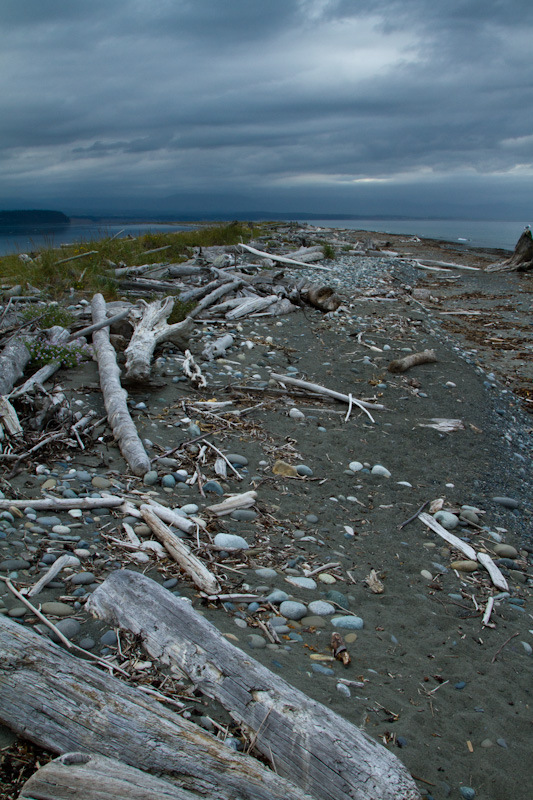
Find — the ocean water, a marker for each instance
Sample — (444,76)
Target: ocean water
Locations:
(468,233)
(25,238)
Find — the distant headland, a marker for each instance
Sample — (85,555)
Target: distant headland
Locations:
(33,217)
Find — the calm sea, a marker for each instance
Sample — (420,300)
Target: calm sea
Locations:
(24,238)
(470,233)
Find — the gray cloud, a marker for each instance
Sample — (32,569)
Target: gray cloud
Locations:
(304,102)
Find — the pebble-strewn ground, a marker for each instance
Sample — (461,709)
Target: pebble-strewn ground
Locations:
(449,695)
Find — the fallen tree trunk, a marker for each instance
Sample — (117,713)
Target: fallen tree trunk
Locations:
(281,259)
(13,361)
(322,753)
(62,703)
(522,257)
(151,329)
(93,777)
(115,396)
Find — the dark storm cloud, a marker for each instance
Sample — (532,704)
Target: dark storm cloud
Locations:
(285,101)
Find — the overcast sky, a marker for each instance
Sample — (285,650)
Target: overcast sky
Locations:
(420,107)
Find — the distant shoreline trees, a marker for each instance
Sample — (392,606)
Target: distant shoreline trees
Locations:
(33,217)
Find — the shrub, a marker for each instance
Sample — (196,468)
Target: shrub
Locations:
(70,355)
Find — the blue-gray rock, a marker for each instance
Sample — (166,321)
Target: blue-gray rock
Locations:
(321,608)
(189,508)
(237,460)
(312,518)
(83,475)
(109,639)
(321,670)
(48,522)
(344,690)
(337,597)
(348,623)
(304,470)
(11,564)
(276,597)
(150,478)
(292,609)
(231,542)
(467,792)
(83,578)
(17,612)
(168,481)
(87,643)
(381,471)
(447,520)
(507,502)
(266,572)
(256,642)
(68,627)
(214,487)
(243,514)
(253,607)
(301,583)
(170,583)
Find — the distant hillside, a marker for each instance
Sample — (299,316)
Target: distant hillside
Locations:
(33,217)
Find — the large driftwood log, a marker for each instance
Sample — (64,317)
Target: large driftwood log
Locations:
(115,396)
(56,335)
(323,753)
(64,704)
(13,362)
(281,259)
(64,503)
(151,328)
(522,257)
(318,389)
(93,777)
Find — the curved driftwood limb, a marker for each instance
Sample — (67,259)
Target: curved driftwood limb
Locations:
(315,387)
(216,294)
(180,552)
(323,753)
(94,777)
(13,361)
(413,360)
(115,396)
(62,703)
(435,526)
(281,259)
(99,325)
(150,329)
(192,371)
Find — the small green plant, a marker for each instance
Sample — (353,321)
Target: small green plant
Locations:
(70,355)
(54,315)
(328,250)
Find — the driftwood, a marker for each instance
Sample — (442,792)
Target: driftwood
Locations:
(115,396)
(324,298)
(315,387)
(217,348)
(322,753)
(216,294)
(180,552)
(63,561)
(9,420)
(280,259)
(64,704)
(93,777)
(522,257)
(412,360)
(250,305)
(56,335)
(13,361)
(151,329)
(103,324)
(64,503)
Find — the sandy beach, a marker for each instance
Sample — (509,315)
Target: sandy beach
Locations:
(446,692)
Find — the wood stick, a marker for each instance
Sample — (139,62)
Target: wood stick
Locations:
(464,548)
(64,503)
(282,259)
(99,325)
(80,255)
(403,364)
(315,387)
(63,561)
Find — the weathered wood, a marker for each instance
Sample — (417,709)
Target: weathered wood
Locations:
(98,326)
(522,257)
(63,561)
(315,387)
(93,777)
(435,526)
(56,335)
(64,503)
(216,294)
(281,259)
(413,360)
(9,420)
(151,329)
(323,753)
(179,551)
(495,574)
(13,361)
(64,704)
(249,305)
(115,396)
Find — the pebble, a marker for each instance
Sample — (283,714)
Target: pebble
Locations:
(17,612)
(68,627)
(100,482)
(109,639)
(348,623)
(214,487)
(189,508)
(343,689)
(304,470)
(294,413)
(447,520)
(322,670)
(256,642)
(313,621)
(243,515)
(467,792)
(87,643)
(507,502)
(266,572)
(237,460)
(426,574)
(61,529)
(168,481)
(83,578)
(276,597)
(48,522)
(527,647)
(231,541)
(355,466)
(464,566)
(150,478)
(321,608)
(505,551)
(11,564)
(292,609)
(378,469)
(56,609)
(325,577)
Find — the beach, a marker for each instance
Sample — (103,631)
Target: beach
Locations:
(446,692)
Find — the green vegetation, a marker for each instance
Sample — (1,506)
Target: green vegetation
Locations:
(54,315)
(328,250)
(57,270)
(70,355)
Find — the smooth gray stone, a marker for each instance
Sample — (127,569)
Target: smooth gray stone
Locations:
(266,572)
(348,623)
(68,627)
(83,578)
(11,564)
(447,520)
(256,642)
(109,639)
(237,460)
(321,670)
(507,502)
(243,515)
(87,643)
(150,478)
(231,541)
(302,469)
(57,609)
(48,522)
(277,596)
(214,487)
(168,481)
(302,583)
(17,612)
(292,609)
(321,608)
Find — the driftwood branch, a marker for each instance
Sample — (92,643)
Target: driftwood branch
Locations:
(315,387)
(281,259)
(13,361)
(412,360)
(115,396)
(64,704)
(64,503)
(323,753)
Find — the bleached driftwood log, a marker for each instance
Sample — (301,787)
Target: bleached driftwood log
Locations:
(13,361)
(243,500)
(151,329)
(216,294)
(495,574)
(324,298)
(115,396)
(166,514)
(217,348)
(315,387)
(63,561)
(180,552)
(64,503)
(435,526)
(280,259)
(64,704)
(55,335)
(9,420)
(250,305)
(412,360)
(522,257)
(103,324)
(93,777)
(323,753)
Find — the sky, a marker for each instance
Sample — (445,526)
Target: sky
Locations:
(364,107)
